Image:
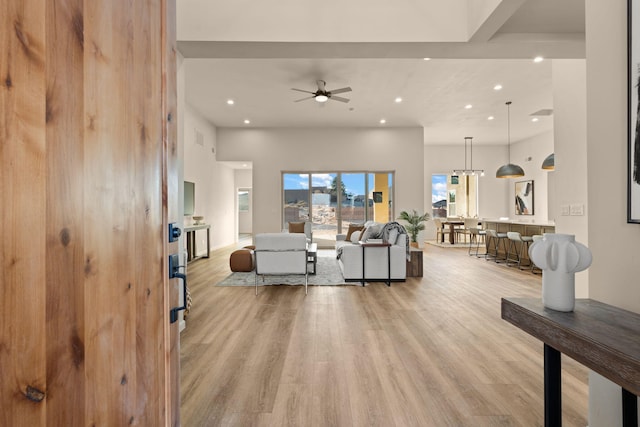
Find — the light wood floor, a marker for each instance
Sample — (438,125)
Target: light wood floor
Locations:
(429,352)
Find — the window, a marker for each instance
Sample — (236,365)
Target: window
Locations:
(454,195)
(333,200)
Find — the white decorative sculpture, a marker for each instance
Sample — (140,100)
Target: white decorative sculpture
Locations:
(559,257)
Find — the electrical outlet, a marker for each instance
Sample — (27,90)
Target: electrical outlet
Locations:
(565,210)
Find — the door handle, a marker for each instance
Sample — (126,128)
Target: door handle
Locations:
(174,272)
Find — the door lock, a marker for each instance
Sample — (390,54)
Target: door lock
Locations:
(174,232)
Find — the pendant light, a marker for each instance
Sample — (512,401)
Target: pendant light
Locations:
(550,162)
(509,170)
(465,171)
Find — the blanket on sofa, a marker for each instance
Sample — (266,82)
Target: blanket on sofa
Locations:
(394,229)
(389,231)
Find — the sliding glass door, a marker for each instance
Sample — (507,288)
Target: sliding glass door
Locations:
(324,202)
(353,204)
(333,200)
(296,197)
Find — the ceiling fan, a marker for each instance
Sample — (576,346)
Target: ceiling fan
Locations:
(323,95)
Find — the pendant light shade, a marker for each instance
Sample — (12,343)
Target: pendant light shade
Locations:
(550,162)
(509,170)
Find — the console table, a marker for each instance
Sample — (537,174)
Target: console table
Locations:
(601,337)
(190,230)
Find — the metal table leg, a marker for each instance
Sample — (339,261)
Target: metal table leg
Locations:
(552,387)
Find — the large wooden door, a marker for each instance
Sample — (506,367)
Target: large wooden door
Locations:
(88,183)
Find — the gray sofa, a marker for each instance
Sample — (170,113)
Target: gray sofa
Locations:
(350,257)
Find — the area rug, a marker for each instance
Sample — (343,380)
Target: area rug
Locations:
(328,273)
(449,245)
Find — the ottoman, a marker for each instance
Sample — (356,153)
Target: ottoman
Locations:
(241,260)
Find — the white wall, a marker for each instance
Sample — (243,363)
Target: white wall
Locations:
(613,277)
(215,194)
(529,154)
(244,179)
(335,149)
(300,20)
(569,179)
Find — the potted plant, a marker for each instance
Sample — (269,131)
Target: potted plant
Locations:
(416,224)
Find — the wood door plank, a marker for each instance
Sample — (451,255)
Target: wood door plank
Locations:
(23,184)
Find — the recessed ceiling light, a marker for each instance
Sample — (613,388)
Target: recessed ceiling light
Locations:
(398,100)
(383,121)
(427,59)
(468,106)
(538,59)
(230,102)
(244,165)
(247,121)
(535,119)
(497,87)
(490,118)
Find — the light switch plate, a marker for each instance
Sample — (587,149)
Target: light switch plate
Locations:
(577,209)
(565,210)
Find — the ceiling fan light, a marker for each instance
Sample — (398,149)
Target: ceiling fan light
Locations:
(509,171)
(550,162)
(321,98)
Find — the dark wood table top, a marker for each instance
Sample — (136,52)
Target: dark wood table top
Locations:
(602,337)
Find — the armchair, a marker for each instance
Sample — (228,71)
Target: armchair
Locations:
(281,254)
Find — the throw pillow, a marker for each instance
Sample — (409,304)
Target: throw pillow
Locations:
(355,237)
(372,232)
(352,228)
(296,227)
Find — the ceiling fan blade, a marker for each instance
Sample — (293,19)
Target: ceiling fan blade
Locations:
(300,90)
(304,99)
(339,98)
(321,84)
(341,90)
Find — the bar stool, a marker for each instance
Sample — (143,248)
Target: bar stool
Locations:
(534,267)
(475,234)
(494,237)
(524,241)
(514,238)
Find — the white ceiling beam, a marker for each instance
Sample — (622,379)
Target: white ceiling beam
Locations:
(504,46)
(496,19)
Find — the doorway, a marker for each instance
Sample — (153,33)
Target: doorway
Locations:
(245,212)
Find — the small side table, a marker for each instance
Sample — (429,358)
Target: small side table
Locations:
(414,264)
(365,245)
(312,256)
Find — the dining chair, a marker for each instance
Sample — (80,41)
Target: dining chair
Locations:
(439,232)
(466,227)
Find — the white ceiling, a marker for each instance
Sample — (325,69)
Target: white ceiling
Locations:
(258,75)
